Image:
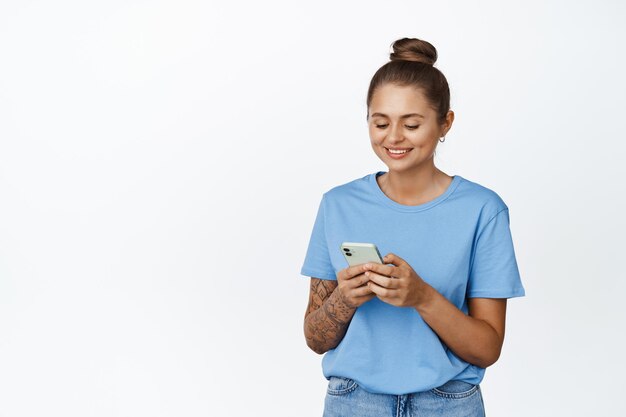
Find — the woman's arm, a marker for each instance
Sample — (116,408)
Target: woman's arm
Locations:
(327,317)
(332,304)
(476,338)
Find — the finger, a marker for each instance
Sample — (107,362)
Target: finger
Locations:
(359,301)
(373,287)
(378,290)
(362,291)
(370,296)
(366,298)
(388,270)
(357,281)
(394,259)
(382,280)
(353,271)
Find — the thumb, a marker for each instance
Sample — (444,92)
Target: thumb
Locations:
(393,259)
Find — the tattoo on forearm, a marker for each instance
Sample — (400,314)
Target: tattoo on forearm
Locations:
(327,325)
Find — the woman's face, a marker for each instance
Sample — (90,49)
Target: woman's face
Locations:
(400,118)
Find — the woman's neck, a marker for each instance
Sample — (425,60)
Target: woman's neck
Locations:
(414,187)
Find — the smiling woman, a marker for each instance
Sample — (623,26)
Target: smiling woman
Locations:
(417,332)
(411,138)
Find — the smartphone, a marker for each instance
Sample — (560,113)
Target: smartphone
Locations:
(359,253)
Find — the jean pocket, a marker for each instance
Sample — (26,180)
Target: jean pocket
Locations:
(455,389)
(339,385)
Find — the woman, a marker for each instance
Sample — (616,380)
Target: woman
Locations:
(414,335)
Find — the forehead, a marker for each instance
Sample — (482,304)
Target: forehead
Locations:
(392,99)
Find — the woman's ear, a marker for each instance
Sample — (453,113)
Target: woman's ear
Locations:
(447,124)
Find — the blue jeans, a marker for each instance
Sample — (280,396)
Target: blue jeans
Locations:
(345,398)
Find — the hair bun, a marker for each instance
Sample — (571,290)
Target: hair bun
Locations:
(412,49)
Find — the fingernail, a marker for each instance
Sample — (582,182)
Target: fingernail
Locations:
(368,265)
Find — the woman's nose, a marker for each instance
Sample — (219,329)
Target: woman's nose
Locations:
(395,134)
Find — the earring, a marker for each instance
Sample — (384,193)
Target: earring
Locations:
(444,139)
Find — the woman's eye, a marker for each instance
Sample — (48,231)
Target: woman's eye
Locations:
(408,127)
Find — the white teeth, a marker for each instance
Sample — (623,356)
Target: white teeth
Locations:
(394,151)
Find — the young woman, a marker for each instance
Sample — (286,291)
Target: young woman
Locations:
(414,335)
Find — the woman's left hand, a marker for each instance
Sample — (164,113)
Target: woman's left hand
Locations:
(397,284)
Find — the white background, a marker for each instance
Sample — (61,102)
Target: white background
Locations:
(161,164)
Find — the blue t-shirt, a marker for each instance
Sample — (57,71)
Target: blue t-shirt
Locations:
(459,243)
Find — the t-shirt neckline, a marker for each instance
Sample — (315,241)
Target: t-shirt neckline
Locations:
(382,197)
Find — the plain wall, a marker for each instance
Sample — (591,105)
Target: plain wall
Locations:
(161,163)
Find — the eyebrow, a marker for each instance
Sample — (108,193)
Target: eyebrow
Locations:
(405,116)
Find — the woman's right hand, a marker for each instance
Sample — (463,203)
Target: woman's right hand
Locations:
(352,286)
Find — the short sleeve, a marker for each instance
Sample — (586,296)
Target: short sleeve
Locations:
(317,261)
(493,271)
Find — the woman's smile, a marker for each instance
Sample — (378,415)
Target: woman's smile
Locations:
(398,153)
